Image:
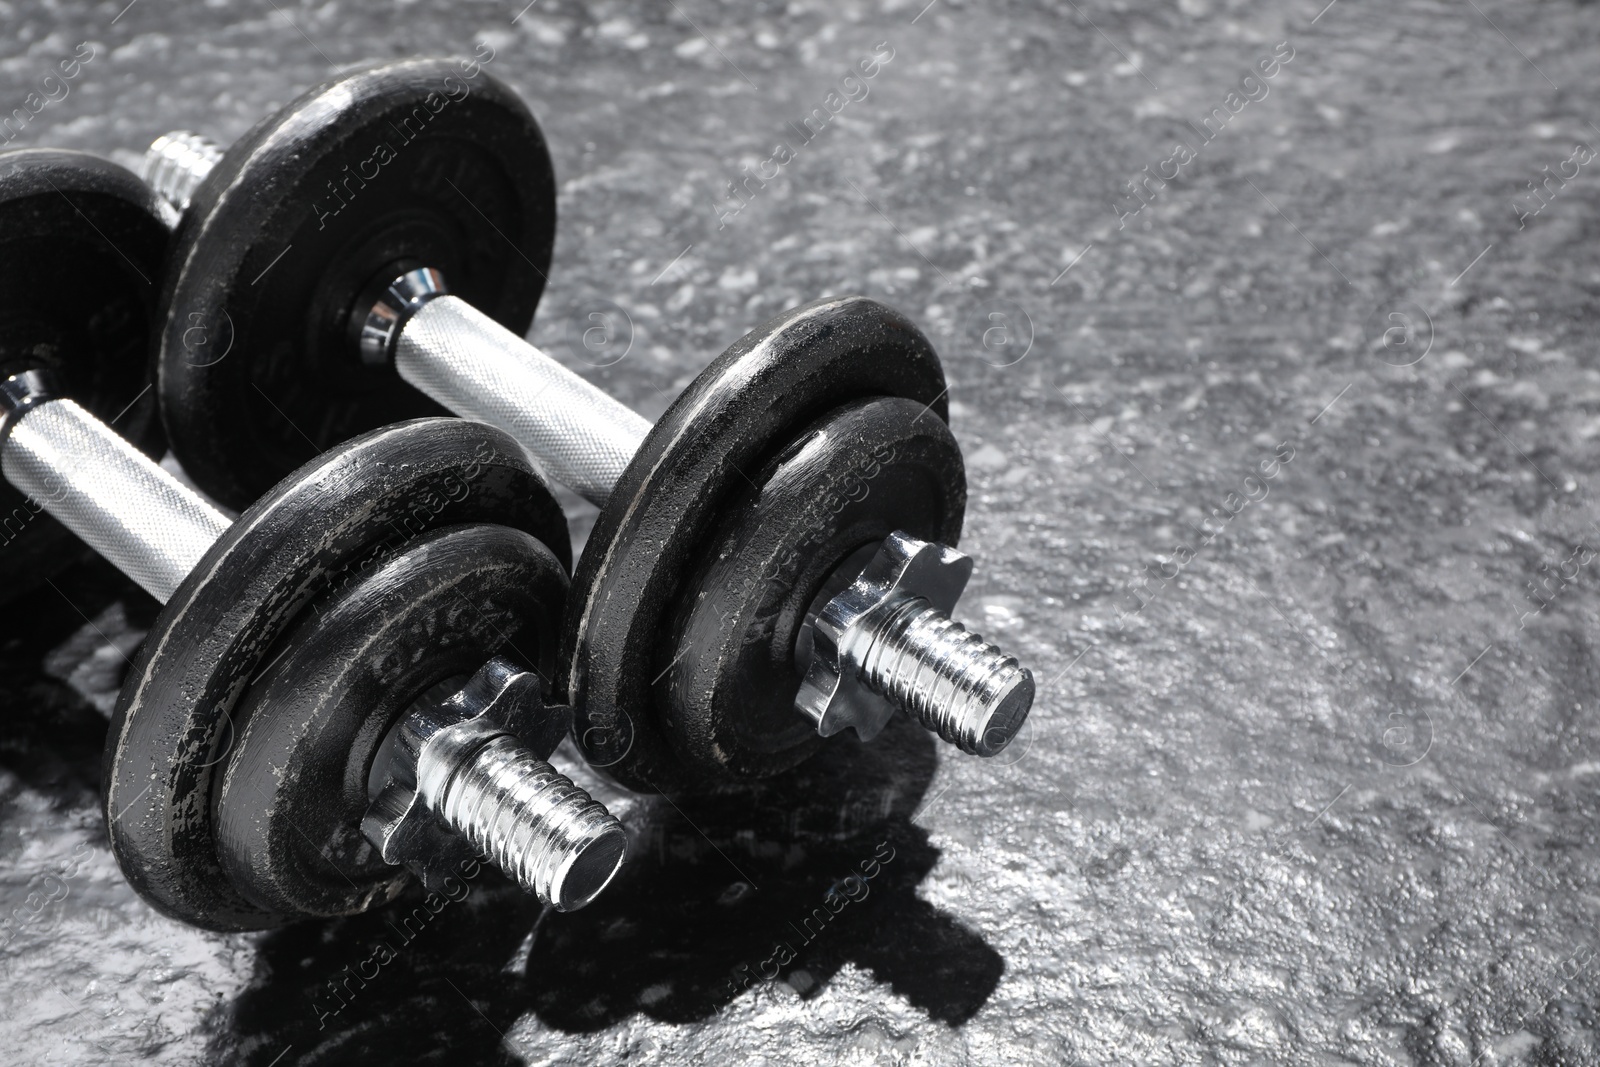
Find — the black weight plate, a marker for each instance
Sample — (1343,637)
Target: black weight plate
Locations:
(725,677)
(317,529)
(748,404)
(288,812)
(405,164)
(81,245)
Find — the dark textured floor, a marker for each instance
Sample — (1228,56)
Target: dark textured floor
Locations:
(1328,797)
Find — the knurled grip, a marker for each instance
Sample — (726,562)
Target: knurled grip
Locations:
(117,499)
(481,371)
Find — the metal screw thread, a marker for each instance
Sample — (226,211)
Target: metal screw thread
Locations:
(176,163)
(533,823)
(959,686)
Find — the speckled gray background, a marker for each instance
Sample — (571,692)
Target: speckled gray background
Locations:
(1329,797)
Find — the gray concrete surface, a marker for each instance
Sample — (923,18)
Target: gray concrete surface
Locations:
(1328,797)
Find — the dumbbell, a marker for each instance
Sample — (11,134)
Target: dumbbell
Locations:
(328,696)
(779,540)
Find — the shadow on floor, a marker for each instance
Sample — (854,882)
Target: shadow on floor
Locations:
(67,649)
(787,880)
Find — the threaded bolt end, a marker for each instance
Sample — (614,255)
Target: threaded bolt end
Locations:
(533,823)
(176,163)
(957,685)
